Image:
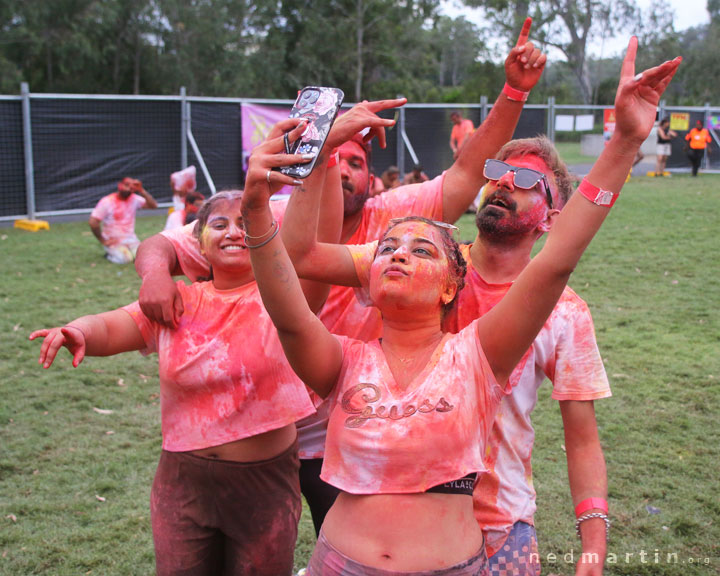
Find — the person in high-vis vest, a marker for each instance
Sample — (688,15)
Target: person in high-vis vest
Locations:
(698,139)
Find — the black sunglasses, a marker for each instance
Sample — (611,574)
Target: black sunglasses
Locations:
(524,178)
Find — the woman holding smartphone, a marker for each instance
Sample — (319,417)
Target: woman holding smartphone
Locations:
(411,412)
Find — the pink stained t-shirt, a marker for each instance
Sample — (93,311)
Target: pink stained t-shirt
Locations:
(565,351)
(223,373)
(118,217)
(385,440)
(341,314)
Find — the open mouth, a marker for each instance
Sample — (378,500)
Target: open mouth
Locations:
(233,248)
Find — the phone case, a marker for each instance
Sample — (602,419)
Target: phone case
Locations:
(318,105)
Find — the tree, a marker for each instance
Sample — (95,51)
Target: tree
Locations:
(567,25)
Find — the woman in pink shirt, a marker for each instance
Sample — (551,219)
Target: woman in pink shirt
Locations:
(410,413)
(226,496)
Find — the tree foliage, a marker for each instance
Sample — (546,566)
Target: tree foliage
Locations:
(369,48)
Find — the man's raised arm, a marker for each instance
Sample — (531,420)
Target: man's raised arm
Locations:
(523,68)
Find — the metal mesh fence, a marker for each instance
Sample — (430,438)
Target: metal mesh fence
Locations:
(12,157)
(81,148)
(82,145)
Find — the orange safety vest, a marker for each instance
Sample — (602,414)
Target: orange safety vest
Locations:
(698,139)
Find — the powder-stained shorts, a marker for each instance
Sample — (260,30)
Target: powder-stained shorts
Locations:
(327,560)
(518,556)
(219,517)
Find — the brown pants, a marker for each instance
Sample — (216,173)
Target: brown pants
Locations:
(218,517)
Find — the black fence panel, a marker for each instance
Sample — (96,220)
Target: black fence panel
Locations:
(216,128)
(82,148)
(12,160)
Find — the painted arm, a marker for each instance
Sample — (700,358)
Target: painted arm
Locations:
(103,334)
(314,354)
(526,306)
(156,263)
(314,259)
(150,202)
(96,227)
(523,68)
(588,479)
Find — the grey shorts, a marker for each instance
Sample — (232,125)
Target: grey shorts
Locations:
(327,560)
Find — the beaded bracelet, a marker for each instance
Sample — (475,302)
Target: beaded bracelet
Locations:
(273,226)
(275,233)
(590,516)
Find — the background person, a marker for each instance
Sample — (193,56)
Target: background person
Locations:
(663,149)
(391,178)
(112,221)
(178,218)
(698,139)
(461,131)
(182,182)
(416,176)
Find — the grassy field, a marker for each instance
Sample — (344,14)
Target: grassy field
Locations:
(75,483)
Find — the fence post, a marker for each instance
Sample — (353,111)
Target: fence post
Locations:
(400,154)
(27,141)
(551,118)
(661,110)
(483,108)
(706,118)
(184,117)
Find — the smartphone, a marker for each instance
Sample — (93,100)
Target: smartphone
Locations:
(319,106)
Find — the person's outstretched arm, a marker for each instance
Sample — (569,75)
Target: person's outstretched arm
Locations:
(523,311)
(314,353)
(463,180)
(103,334)
(313,258)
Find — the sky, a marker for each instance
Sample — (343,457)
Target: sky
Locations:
(688,13)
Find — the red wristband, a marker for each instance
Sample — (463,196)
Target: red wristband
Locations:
(514,94)
(596,195)
(334,158)
(589,504)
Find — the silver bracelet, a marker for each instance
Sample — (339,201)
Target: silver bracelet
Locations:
(275,233)
(593,515)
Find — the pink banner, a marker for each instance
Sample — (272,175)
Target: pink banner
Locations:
(256,123)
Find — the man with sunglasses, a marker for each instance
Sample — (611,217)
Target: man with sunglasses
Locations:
(527,187)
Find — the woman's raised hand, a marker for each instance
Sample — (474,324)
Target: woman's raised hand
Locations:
(638,95)
(54,338)
(262,181)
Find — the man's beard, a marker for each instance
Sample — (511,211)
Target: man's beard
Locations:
(353,203)
(500,224)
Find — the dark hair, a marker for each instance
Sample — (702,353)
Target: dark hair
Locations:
(456,263)
(543,148)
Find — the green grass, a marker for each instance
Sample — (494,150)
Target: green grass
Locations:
(650,278)
(570,153)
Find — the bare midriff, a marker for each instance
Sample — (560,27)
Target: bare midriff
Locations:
(259,447)
(404,532)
